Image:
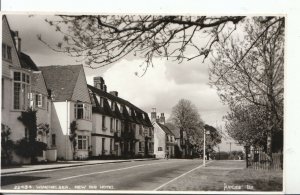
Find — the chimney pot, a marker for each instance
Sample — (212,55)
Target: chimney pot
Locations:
(162,118)
(153,115)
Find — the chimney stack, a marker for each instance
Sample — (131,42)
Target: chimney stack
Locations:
(104,88)
(99,83)
(162,118)
(17,40)
(153,115)
(114,93)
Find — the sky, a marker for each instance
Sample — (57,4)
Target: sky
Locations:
(161,87)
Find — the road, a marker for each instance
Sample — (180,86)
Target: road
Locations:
(136,175)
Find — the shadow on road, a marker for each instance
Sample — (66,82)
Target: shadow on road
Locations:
(8,180)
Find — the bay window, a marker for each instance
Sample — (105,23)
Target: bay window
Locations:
(21,89)
(82,111)
(82,142)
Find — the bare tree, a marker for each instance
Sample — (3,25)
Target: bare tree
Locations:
(253,76)
(105,39)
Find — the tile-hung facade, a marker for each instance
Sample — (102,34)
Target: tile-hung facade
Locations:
(70,104)
(119,127)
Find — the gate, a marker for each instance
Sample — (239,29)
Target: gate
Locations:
(256,158)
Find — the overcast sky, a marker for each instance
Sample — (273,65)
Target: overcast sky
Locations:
(161,87)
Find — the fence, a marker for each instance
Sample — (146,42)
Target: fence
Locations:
(258,159)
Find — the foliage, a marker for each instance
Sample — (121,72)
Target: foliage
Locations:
(185,116)
(26,148)
(44,127)
(104,39)
(214,138)
(250,79)
(72,136)
(7,145)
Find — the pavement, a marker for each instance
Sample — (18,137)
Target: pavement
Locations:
(63,164)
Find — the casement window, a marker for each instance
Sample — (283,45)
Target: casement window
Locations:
(121,108)
(111,124)
(111,145)
(160,149)
(117,125)
(39,100)
(103,145)
(150,132)
(53,139)
(113,106)
(6,52)
(140,146)
(82,142)
(82,111)
(100,100)
(103,123)
(21,90)
(140,130)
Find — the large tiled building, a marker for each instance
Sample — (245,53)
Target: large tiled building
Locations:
(119,127)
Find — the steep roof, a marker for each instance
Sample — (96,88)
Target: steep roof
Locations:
(174,129)
(38,83)
(140,117)
(27,62)
(165,128)
(61,80)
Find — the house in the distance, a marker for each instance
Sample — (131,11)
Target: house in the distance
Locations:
(164,139)
(71,111)
(177,147)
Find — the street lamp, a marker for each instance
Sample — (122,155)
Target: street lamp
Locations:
(205,132)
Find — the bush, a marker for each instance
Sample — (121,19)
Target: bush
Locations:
(28,149)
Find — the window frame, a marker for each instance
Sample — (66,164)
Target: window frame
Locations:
(6,52)
(22,80)
(103,122)
(82,141)
(86,113)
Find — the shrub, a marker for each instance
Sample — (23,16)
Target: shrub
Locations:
(28,149)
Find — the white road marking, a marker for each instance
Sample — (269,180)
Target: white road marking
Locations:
(113,170)
(180,176)
(57,169)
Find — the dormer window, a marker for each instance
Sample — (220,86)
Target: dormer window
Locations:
(113,106)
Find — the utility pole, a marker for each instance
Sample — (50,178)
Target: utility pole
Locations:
(229,146)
